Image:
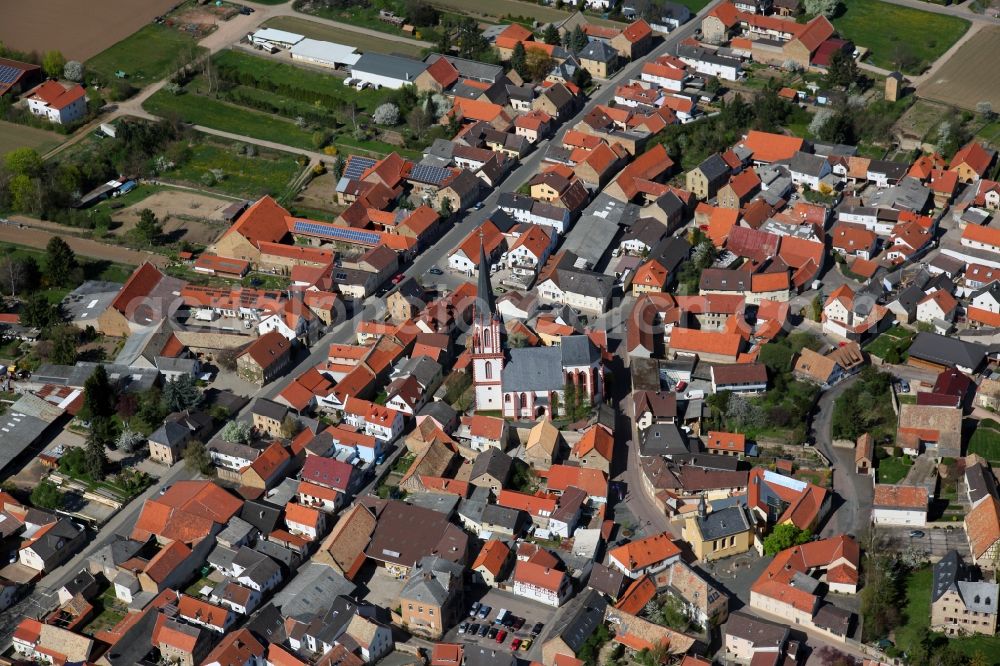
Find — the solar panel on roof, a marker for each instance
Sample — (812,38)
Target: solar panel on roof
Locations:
(427,173)
(339,233)
(357,166)
(9,74)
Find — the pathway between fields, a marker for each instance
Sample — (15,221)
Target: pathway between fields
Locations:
(38,238)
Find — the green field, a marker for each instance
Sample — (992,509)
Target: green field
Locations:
(270,172)
(93,269)
(228,118)
(898,37)
(330,33)
(148,55)
(897,337)
(504,9)
(305,80)
(21,136)
(990,133)
(694,5)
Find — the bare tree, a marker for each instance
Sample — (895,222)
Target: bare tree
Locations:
(12,275)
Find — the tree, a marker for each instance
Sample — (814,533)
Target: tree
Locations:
(129,440)
(19,273)
(551,35)
(46,495)
(538,64)
(445,209)
(783,537)
(880,597)
(673,613)
(518,60)
(386,114)
(238,432)
(290,427)
(226,358)
(98,395)
(147,228)
(61,266)
(100,436)
(196,457)
(54,64)
(578,39)
(418,120)
(817,307)
(65,342)
(38,312)
(337,168)
(842,71)
(827,8)
(470,40)
(73,71)
(819,121)
(180,394)
(24,162)
(985,109)
(126,407)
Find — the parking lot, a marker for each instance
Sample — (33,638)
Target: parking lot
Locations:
(532,612)
(935,542)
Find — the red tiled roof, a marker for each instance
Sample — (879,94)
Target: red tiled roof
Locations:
(770,147)
(56,96)
(443,72)
(265,220)
(974,156)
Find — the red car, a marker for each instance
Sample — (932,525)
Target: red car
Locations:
(516,643)
(501,636)
(397,279)
(681,385)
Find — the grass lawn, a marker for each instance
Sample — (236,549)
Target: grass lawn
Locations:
(694,5)
(329,33)
(93,269)
(507,9)
(21,136)
(897,337)
(893,470)
(990,133)
(270,172)
(898,35)
(986,442)
(147,55)
(228,118)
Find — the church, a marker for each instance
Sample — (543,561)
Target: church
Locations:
(526,383)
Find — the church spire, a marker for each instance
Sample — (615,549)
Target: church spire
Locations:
(484,291)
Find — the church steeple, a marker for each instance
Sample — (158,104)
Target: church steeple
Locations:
(486,303)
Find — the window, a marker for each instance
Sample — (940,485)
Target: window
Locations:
(487,339)
(489,370)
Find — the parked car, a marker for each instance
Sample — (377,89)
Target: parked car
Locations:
(916,534)
(472,630)
(516,643)
(484,611)
(436,271)
(493,632)
(474,609)
(537,629)
(462,628)
(484,629)
(517,623)
(501,636)
(526,643)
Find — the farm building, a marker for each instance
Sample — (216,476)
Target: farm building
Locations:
(272,39)
(16,77)
(325,54)
(58,103)
(386,71)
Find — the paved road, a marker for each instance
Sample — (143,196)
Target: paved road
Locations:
(852,504)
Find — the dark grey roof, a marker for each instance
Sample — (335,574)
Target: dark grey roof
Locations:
(577,620)
(433,579)
(946,350)
(391,66)
(443,503)
(268,625)
(80,582)
(269,409)
(599,51)
(709,461)
(648,230)
(494,514)
(724,522)
(116,552)
(56,538)
(439,410)
(946,573)
(257,566)
(606,580)
(221,557)
(478,655)
(979,596)
(807,163)
(722,279)
(663,439)
(578,350)
(311,591)
(171,434)
(671,252)
(834,619)
(285,556)
(760,633)
(533,369)
(714,167)
(590,238)
(981,481)
(494,462)
(470,69)
(262,515)
(892,170)
(588,283)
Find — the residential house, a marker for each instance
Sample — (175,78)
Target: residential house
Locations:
(491,469)
(644,556)
(747,636)
(431,601)
(541,583)
(63,105)
(543,445)
(982,528)
(492,563)
(972,161)
(961,604)
(900,505)
(595,449)
(265,358)
(720,533)
(599,58)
